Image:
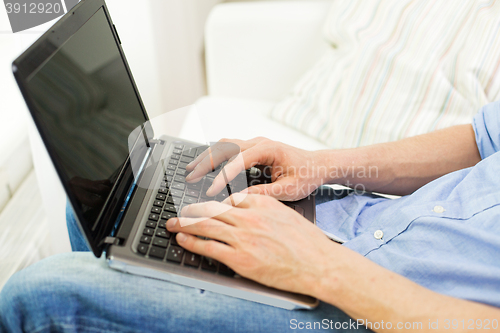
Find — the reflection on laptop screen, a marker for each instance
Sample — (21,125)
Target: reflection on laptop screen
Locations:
(87,108)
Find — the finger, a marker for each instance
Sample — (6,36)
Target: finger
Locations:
(211,209)
(243,144)
(209,248)
(191,165)
(204,227)
(212,158)
(240,200)
(246,159)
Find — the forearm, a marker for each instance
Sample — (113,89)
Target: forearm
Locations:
(403,166)
(368,292)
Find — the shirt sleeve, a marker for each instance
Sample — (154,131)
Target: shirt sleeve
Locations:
(486,124)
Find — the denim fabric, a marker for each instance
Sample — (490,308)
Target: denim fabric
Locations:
(75,292)
(76,238)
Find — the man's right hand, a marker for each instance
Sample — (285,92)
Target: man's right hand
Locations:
(295,173)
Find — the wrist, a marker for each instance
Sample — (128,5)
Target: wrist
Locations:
(329,274)
(334,166)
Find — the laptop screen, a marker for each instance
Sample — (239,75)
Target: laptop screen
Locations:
(85,106)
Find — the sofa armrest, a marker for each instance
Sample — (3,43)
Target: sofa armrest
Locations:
(258,50)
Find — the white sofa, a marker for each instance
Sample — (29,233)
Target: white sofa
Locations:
(255,52)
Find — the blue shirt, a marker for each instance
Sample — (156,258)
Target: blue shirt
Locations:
(446,235)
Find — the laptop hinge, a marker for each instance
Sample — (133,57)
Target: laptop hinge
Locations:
(111,240)
(155,142)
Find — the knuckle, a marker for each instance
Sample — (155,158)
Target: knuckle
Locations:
(209,247)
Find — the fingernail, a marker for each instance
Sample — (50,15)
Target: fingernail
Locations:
(190,175)
(171,223)
(181,237)
(190,164)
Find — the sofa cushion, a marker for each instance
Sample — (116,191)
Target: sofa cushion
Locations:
(214,118)
(397,69)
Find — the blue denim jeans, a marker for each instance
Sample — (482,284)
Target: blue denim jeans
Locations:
(76,292)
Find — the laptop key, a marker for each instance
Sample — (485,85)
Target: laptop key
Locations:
(145,239)
(175,156)
(175,254)
(163,190)
(192,193)
(189,153)
(161,196)
(200,150)
(194,186)
(158,203)
(209,264)
(161,242)
(224,270)
(151,224)
(173,161)
(162,233)
(189,200)
(179,178)
(205,199)
(167,215)
(178,186)
(186,159)
(169,172)
(156,210)
(176,193)
(173,240)
(148,232)
(192,259)
(221,196)
(182,165)
(179,147)
(170,200)
(153,217)
(142,248)
(171,167)
(157,252)
(170,208)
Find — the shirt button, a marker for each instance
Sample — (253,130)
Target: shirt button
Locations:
(438,209)
(378,234)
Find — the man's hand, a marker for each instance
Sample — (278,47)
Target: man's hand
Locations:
(267,242)
(295,172)
(260,239)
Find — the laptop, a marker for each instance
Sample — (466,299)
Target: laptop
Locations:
(122,182)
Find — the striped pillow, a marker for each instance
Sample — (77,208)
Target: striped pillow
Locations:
(397,68)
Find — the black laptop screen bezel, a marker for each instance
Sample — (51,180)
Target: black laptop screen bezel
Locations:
(28,63)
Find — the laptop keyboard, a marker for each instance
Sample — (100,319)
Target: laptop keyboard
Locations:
(172,195)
